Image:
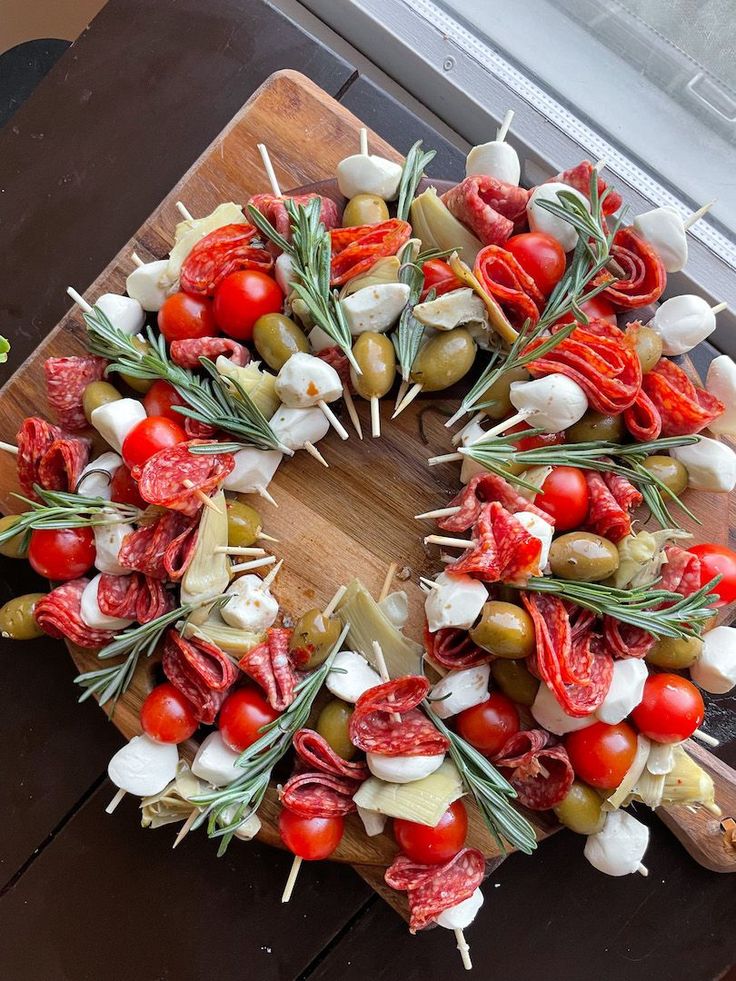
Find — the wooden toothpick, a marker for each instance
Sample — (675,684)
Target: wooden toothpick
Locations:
(186,827)
(697,215)
(332,419)
(115,801)
(438,513)
(136,259)
(9,448)
(383,671)
(705,738)
(79,299)
(462,946)
(503,129)
(363,141)
(270,172)
(184,211)
(201,496)
(291,881)
(252,551)
(407,399)
(255,564)
(448,542)
(272,574)
(391,572)
(313,451)
(332,605)
(352,411)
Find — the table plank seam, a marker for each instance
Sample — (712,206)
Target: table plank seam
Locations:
(337,939)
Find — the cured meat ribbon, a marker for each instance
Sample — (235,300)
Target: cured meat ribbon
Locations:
(186,353)
(223,251)
(354,250)
(579,178)
(482,489)
(431,889)
(540,774)
(453,648)
(488,207)
(172,477)
(58,615)
(625,640)
(611,498)
(683,408)
(134,597)
(642,418)
(200,671)
(644,275)
(502,550)
(500,274)
(162,549)
(269,664)
(66,380)
(326,783)
(273,208)
(49,457)
(601,359)
(374,729)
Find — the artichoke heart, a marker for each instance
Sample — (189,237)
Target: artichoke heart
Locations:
(422,801)
(452,310)
(231,640)
(173,803)
(259,384)
(384,270)
(190,231)
(438,228)
(208,573)
(369,623)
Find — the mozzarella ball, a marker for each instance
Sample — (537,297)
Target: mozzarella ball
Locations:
(456,601)
(553,402)
(715,669)
(94,480)
(368,174)
(149,285)
(460,917)
(351,675)
(215,762)
(305,380)
(626,691)
(374,308)
(247,829)
(253,470)
(108,541)
(460,690)
(402,769)
(663,228)
(683,322)
(319,340)
(395,607)
(92,615)
(295,427)
(123,312)
(495,159)
(538,528)
(710,465)
(619,848)
(114,420)
(251,605)
(143,767)
(550,715)
(721,382)
(541,220)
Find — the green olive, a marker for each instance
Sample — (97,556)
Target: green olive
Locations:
(276,338)
(316,635)
(648,348)
(364,209)
(377,359)
(498,393)
(17,620)
(515,680)
(671,472)
(505,630)
(243,523)
(12,548)
(675,653)
(96,394)
(581,810)
(595,426)
(444,359)
(583,557)
(334,724)
(140,385)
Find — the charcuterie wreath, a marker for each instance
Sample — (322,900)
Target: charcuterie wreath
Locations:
(565,644)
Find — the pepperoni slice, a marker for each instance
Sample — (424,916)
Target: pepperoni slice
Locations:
(431,889)
(374,729)
(66,380)
(269,664)
(502,550)
(611,498)
(579,178)
(134,597)
(645,277)
(642,418)
(514,289)
(161,549)
(161,479)
(484,488)
(200,671)
(273,208)
(683,408)
(223,251)
(540,774)
(488,207)
(453,648)
(58,615)
(355,250)
(186,353)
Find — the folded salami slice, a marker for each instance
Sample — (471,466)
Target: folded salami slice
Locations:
(683,408)
(500,274)
(315,753)
(645,276)
(269,664)
(502,551)
(327,789)
(223,251)
(34,438)
(172,477)
(186,353)
(579,178)
(432,889)
(487,206)
(200,671)
(480,490)
(161,549)
(134,597)
(540,774)
(66,380)
(681,572)
(642,418)
(374,729)
(611,498)
(58,615)
(273,208)
(453,648)
(337,360)
(625,640)
(62,464)
(199,430)
(354,250)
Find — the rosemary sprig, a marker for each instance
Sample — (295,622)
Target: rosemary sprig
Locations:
(60,509)
(407,337)
(245,794)
(414,164)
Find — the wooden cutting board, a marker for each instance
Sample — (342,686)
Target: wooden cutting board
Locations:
(352,519)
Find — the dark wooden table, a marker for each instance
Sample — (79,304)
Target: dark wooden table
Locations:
(86,896)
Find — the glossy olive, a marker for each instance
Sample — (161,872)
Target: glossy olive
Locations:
(96,394)
(15,547)
(671,472)
(648,348)
(17,620)
(377,359)
(334,724)
(581,810)
(444,359)
(583,557)
(243,523)
(675,653)
(364,209)
(515,680)
(497,394)
(595,426)
(276,337)
(505,629)
(317,635)
(139,384)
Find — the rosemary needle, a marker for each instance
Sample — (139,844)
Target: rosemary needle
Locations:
(62,509)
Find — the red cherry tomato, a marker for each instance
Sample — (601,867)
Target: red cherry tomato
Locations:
(183,316)
(670,710)
(310,838)
(601,754)
(167,716)
(243,297)
(540,256)
(124,489)
(565,496)
(244,712)
(160,399)
(148,437)
(62,553)
(596,309)
(717,560)
(487,726)
(439,277)
(532,442)
(433,845)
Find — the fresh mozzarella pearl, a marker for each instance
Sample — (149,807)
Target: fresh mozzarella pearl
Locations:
(94,480)
(456,601)
(365,173)
(619,847)
(683,322)
(251,606)
(710,465)
(295,427)
(626,691)
(143,767)
(108,540)
(215,762)
(253,470)
(395,607)
(663,228)
(247,829)
(538,528)
(305,380)
(461,916)
(552,403)
(319,340)
(550,715)
(283,270)
(375,308)
(460,690)
(123,312)
(373,822)
(114,420)
(495,159)
(402,769)
(472,432)
(92,615)
(351,676)
(541,220)
(721,382)
(149,285)
(715,669)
